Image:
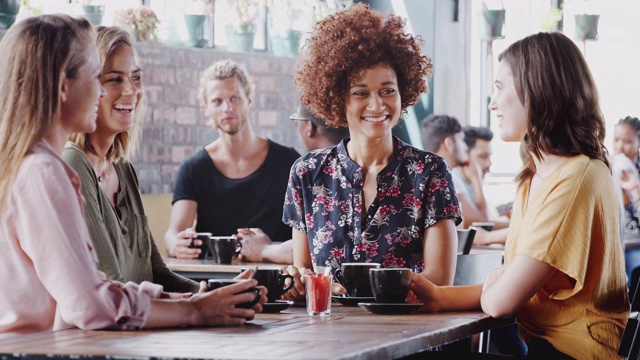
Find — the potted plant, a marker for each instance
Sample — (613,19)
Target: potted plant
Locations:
(586,27)
(242,17)
(553,20)
(196,13)
(585,19)
(283,14)
(93,13)
(141,22)
(291,19)
(491,23)
(8,11)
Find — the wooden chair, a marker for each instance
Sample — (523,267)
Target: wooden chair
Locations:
(630,341)
(158,210)
(465,240)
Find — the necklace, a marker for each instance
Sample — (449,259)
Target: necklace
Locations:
(103,171)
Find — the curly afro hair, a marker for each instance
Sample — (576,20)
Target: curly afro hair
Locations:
(349,42)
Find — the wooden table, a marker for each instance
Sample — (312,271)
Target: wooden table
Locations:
(349,333)
(207,268)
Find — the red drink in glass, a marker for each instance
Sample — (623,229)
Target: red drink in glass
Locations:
(318,288)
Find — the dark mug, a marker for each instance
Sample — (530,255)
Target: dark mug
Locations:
(274,280)
(355,278)
(218,283)
(204,246)
(224,248)
(390,285)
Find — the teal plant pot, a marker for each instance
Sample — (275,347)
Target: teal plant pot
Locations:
(586,27)
(285,43)
(195,30)
(93,13)
(240,39)
(8,12)
(491,23)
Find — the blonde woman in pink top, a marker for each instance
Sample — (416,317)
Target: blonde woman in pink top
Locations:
(49,70)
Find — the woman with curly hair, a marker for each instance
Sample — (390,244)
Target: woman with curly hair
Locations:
(563,274)
(371,198)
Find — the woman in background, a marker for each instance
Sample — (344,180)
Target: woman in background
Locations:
(113,207)
(49,70)
(626,167)
(563,274)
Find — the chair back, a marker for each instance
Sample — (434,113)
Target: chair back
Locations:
(465,240)
(630,341)
(634,292)
(474,268)
(158,210)
(630,344)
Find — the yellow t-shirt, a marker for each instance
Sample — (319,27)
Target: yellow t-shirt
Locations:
(572,225)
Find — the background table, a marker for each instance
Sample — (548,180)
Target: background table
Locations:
(349,333)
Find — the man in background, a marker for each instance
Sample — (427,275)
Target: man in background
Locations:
(315,134)
(239,180)
(478,140)
(444,136)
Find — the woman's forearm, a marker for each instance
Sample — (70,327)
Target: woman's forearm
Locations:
(460,297)
(170,313)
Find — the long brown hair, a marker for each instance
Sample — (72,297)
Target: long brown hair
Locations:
(554,83)
(36,54)
(124,144)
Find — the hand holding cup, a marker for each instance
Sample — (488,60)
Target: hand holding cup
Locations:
(258,291)
(188,245)
(276,282)
(218,307)
(298,289)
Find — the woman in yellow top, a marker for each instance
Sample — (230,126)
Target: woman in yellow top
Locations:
(564,269)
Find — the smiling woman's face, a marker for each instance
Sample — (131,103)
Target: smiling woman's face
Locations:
(122,83)
(373,103)
(512,116)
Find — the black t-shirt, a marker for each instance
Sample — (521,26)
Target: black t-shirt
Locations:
(224,204)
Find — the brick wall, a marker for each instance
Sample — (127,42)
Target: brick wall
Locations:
(175,125)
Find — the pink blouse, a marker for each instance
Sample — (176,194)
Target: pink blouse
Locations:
(48,275)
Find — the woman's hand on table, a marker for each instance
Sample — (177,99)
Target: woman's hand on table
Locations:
(482,237)
(218,307)
(181,249)
(423,291)
(338,289)
(485,238)
(297,291)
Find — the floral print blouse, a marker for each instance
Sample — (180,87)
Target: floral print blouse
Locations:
(324,199)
